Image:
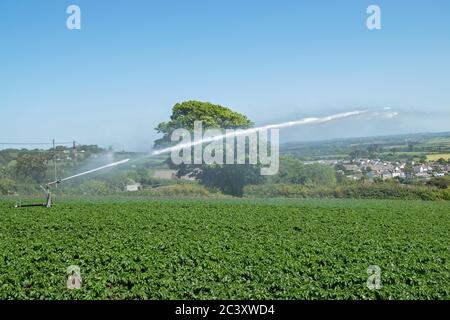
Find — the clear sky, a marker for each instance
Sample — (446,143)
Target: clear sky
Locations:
(114,80)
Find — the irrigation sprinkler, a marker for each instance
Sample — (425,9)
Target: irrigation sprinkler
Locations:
(47,188)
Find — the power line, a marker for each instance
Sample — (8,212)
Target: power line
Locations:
(34,143)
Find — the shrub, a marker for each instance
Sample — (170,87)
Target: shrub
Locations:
(440,182)
(183,190)
(7,186)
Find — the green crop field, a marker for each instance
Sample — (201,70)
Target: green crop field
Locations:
(198,249)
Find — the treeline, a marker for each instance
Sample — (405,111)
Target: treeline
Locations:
(37,166)
(294,180)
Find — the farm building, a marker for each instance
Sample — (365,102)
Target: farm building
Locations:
(133,187)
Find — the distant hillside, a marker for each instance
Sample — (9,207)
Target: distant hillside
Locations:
(406,144)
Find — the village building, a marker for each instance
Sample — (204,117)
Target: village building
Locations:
(133,187)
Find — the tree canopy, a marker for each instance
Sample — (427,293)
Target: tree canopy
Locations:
(33,166)
(212,116)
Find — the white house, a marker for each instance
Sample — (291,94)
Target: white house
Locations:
(420,169)
(133,187)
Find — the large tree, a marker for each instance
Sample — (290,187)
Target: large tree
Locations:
(229,178)
(212,116)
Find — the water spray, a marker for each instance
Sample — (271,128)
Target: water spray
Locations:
(46,188)
(313,120)
(87,172)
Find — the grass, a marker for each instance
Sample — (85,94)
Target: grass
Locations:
(225,249)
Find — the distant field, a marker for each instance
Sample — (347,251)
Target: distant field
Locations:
(208,249)
(434,157)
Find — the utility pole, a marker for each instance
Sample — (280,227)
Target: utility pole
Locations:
(54,161)
(74,150)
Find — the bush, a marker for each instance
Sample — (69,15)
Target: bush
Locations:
(293,171)
(183,190)
(440,182)
(7,186)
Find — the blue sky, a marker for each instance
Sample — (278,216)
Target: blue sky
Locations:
(114,80)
